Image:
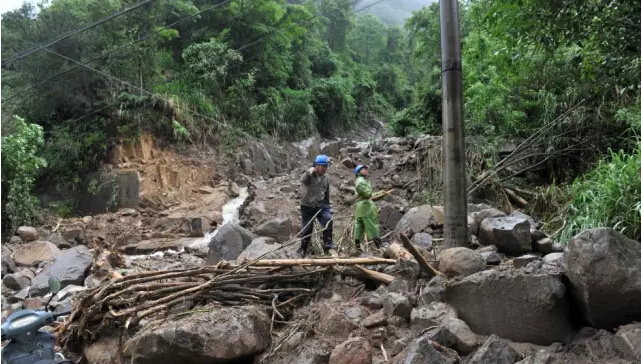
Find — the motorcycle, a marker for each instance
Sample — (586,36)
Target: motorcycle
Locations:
(29,345)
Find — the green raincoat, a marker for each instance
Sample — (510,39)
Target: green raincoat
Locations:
(366,214)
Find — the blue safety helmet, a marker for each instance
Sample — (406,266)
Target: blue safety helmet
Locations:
(321,160)
(358,168)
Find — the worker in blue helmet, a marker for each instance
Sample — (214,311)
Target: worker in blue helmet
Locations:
(366,214)
(315,203)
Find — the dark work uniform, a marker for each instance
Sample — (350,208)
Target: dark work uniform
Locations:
(315,199)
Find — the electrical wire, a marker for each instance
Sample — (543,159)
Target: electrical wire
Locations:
(72,33)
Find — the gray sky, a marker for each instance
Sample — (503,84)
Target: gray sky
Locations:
(8,5)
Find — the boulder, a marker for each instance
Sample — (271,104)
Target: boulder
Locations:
(419,218)
(481,215)
(460,262)
(554,263)
(495,351)
(603,264)
(545,245)
(230,240)
(278,228)
(491,257)
(34,253)
(521,307)
(18,280)
(524,260)
(434,314)
(356,350)
(628,341)
(533,223)
(465,340)
(8,265)
(71,267)
(422,240)
(220,334)
(396,304)
(432,291)
(27,233)
(420,351)
(388,216)
(511,235)
(263,245)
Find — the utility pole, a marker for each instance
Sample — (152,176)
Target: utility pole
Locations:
(453,131)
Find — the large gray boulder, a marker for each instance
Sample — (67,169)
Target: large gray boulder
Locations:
(217,335)
(604,268)
(495,351)
(420,218)
(279,228)
(512,304)
(71,267)
(27,233)
(228,243)
(264,245)
(420,351)
(511,235)
(460,262)
(388,216)
(34,253)
(477,218)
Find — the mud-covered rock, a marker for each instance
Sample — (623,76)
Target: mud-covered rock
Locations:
(511,235)
(27,233)
(521,307)
(261,246)
(356,350)
(460,262)
(420,351)
(605,271)
(35,252)
(396,304)
(495,351)
(334,323)
(221,334)
(375,320)
(433,314)
(71,267)
(228,243)
(279,228)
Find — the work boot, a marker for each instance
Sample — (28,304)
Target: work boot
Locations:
(378,243)
(327,248)
(304,249)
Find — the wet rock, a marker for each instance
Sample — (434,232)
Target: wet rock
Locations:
(71,267)
(423,240)
(18,280)
(545,245)
(264,245)
(521,307)
(228,243)
(524,260)
(420,351)
(511,235)
(278,228)
(434,314)
(397,305)
(495,351)
(419,218)
(33,253)
(541,357)
(356,350)
(372,301)
(628,341)
(432,291)
(27,233)
(465,339)
(375,320)
(491,257)
(221,334)
(482,215)
(460,262)
(602,264)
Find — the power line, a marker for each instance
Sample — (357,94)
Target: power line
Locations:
(71,34)
(140,39)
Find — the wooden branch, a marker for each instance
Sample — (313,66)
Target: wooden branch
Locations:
(396,251)
(419,258)
(380,195)
(515,198)
(377,276)
(322,261)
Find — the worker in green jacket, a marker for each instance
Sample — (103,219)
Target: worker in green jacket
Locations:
(366,214)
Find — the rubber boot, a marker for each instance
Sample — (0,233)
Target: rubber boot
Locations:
(304,249)
(378,243)
(357,245)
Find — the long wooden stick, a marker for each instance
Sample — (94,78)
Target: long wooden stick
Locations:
(321,261)
(395,250)
(378,276)
(419,258)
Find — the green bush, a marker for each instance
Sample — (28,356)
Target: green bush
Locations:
(608,196)
(20,163)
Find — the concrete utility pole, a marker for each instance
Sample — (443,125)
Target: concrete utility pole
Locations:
(453,131)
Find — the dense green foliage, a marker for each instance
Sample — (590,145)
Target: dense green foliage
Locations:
(21,143)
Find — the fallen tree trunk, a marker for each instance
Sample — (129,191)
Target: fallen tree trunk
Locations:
(419,258)
(377,276)
(321,262)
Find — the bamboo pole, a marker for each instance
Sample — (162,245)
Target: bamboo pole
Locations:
(321,262)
